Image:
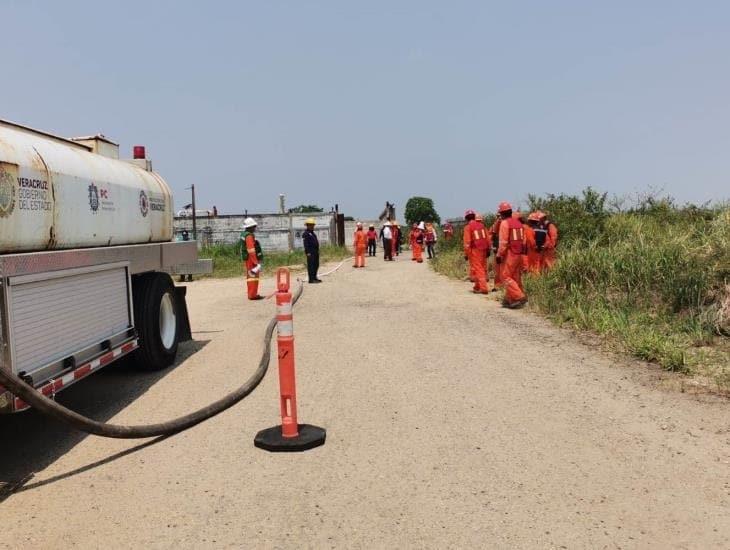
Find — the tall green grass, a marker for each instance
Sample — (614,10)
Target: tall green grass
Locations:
(653,280)
(227,259)
(655,286)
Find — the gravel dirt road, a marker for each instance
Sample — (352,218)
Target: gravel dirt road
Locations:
(451,423)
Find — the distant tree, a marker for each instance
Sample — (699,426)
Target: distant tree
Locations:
(304,208)
(421,209)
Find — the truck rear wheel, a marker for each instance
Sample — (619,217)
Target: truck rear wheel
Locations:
(156,320)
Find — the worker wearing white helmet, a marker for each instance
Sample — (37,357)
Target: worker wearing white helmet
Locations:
(251,256)
(386,235)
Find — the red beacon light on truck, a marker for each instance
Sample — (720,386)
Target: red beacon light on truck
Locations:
(139,152)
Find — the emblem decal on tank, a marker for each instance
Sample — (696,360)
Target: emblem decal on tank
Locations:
(93,197)
(7,192)
(144,203)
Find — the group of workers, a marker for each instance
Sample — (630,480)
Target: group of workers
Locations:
(423,235)
(252,256)
(519,245)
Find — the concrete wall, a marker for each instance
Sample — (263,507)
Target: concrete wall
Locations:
(278,232)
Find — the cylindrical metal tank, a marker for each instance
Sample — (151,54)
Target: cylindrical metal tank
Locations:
(57,194)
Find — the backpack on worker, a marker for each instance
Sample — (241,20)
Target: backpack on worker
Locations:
(244,250)
(540,237)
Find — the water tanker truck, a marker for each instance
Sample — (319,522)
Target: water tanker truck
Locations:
(85,254)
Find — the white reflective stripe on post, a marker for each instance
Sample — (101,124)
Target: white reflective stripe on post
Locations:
(285,328)
(284,309)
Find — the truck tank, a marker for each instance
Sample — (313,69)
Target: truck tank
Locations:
(57,193)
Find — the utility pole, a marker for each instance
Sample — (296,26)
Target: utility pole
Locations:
(195,229)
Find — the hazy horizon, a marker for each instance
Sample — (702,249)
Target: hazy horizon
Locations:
(468,103)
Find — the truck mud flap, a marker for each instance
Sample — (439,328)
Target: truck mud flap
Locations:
(183,321)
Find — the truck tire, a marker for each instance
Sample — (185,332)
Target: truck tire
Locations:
(156,320)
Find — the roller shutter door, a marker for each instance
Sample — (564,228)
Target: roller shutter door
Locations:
(54,318)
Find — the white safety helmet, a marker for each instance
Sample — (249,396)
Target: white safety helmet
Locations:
(359,224)
(249,222)
(421,226)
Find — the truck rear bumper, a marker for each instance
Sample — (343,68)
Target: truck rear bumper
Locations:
(9,403)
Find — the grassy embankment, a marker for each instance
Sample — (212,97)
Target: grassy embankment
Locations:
(227,262)
(653,280)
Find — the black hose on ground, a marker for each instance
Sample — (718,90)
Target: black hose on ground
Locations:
(51,408)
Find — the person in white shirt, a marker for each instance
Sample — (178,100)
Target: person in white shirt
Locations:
(386,235)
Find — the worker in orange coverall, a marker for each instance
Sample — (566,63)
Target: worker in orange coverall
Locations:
(523,220)
(472,273)
(448,230)
(360,244)
(417,238)
(251,256)
(509,256)
(476,249)
(394,243)
(549,254)
(533,235)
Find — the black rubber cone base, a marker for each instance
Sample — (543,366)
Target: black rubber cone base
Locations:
(271,439)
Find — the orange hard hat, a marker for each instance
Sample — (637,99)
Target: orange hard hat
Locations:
(504,207)
(541,214)
(534,216)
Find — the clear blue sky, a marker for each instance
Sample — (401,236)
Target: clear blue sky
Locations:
(469,103)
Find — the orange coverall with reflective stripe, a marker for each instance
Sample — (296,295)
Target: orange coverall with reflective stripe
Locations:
(548,254)
(477,258)
(252,279)
(360,243)
(512,267)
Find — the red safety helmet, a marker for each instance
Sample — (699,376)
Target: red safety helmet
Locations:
(503,207)
(469,212)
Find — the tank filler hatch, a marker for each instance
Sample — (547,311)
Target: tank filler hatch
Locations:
(99,144)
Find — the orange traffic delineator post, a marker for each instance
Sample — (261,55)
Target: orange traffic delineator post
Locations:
(290,436)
